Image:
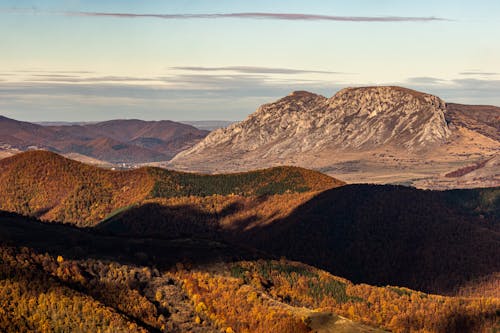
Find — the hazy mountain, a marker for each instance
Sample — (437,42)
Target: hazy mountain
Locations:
(209,125)
(373,134)
(115,141)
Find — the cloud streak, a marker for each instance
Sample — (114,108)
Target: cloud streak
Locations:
(478,73)
(253,70)
(265,16)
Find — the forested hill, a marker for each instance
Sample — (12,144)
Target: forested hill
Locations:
(61,278)
(427,240)
(51,187)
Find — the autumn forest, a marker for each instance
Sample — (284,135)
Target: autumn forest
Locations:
(285,249)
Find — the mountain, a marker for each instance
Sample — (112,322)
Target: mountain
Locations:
(484,119)
(48,186)
(371,134)
(115,141)
(23,134)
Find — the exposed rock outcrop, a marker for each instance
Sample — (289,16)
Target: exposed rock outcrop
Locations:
(305,123)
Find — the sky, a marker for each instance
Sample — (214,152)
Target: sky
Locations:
(220,59)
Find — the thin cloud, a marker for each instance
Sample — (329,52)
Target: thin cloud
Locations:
(478,73)
(77,79)
(425,80)
(266,16)
(200,96)
(51,71)
(253,70)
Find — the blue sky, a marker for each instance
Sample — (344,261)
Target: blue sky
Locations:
(187,60)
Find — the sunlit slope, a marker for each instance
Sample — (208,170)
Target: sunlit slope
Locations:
(51,187)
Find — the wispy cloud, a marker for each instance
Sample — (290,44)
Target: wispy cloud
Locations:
(429,80)
(266,16)
(468,90)
(478,73)
(254,70)
(196,95)
(93,79)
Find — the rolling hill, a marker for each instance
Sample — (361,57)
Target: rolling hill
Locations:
(48,186)
(363,232)
(115,141)
(369,134)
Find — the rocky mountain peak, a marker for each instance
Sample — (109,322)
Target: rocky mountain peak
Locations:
(388,94)
(390,114)
(354,119)
(302,94)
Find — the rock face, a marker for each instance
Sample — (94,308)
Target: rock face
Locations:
(302,124)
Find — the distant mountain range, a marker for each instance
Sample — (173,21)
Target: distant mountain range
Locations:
(114,141)
(372,134)
(208,125)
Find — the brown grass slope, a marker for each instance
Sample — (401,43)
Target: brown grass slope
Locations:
(48,186)
(484,119)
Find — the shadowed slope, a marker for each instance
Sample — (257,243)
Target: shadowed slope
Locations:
(428,240)
(431,241)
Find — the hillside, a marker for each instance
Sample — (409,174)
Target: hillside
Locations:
(48,186)
(484,119)
(164,137)
(370,134)
(115,141)
(197,285)
(431,241)
(483,173)
(363,232)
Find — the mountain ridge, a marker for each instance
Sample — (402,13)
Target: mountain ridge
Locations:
(114,141)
